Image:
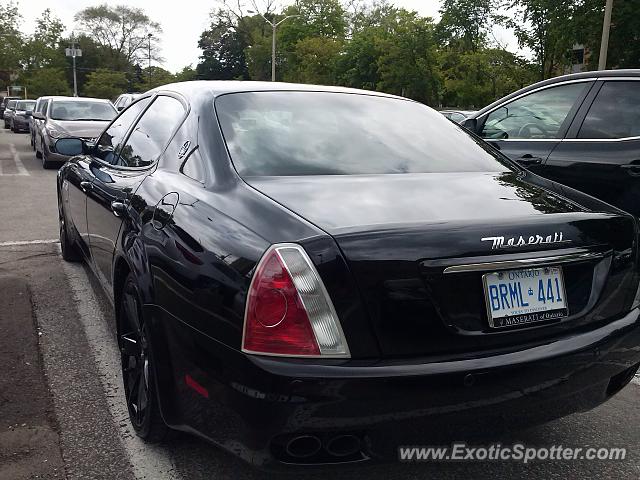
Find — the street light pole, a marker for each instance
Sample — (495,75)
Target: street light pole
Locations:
(273,53)
(274,27)
(149,37)
(74,52)
(604,44)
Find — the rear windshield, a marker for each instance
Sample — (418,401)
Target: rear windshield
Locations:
(325,133)
(25,105)
(81,110)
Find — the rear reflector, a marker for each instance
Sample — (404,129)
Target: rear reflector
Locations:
(193,385)
(288,311)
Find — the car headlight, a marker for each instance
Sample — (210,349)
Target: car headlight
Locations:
(53,133)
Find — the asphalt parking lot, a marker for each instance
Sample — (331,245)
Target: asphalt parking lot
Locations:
(62,413)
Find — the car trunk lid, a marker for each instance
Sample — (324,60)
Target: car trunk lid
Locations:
(408,238)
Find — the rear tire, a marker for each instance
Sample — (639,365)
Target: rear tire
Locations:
(138,372)
(46,164)
(70,252)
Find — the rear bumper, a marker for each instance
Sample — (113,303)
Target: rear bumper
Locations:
(255,405)
(21,123)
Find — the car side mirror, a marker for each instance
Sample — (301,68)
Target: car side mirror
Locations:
(119,108)
(38,115)
(71,146)
(470,124)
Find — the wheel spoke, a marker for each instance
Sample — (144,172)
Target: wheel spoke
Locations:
(131,311)
(132,383)
(129,345)
(142,395)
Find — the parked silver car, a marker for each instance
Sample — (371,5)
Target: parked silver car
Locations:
(41,103)
(84,118)
(124,100)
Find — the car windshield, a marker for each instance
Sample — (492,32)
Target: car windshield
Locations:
(11,104)
(326,133)
(82,110)
(25,105)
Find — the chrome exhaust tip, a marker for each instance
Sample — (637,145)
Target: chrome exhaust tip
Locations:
(303,446)
(343,445)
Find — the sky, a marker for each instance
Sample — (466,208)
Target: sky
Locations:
(183,22)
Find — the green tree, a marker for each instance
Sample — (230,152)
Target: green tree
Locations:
(154,77)
(47,81)
(624,37)
(464,23)
(325,19)
(408,62)
(316,60)
(186,74)
(11,46)
(223,47)
(42,49)
(475,79)
(545,27)
(122,31)
(104,83)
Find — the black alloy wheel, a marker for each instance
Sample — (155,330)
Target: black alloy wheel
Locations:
(137,367)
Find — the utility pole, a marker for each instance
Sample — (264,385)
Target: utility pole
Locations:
(274,27)
(74,52)
(149,37)
(604,44)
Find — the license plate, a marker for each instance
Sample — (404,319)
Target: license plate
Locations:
(520,297)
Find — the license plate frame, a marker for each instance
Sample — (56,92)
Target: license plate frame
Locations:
(527,318)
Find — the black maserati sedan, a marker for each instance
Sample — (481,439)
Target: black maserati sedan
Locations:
(312,275)
(581,130)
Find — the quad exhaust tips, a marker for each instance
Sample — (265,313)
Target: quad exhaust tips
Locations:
(337,447)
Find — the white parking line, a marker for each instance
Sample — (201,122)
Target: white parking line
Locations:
(149,462)
(28,242)
(16,158)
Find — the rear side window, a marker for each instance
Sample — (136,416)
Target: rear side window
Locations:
(152,133)
(113,137)
(325,133)
(615,113)
(539,115)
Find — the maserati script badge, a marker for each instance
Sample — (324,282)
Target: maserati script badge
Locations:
(509,242)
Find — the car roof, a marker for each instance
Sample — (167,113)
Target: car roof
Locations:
(221,87)
(83,99)
(563,78)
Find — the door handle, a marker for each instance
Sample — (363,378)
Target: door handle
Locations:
(529,159)
(118,208)
(84,185)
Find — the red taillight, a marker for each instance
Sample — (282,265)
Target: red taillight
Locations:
(288,311)
(276,322)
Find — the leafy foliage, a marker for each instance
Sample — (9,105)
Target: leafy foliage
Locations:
(47,81)
(105,84)
(124,32)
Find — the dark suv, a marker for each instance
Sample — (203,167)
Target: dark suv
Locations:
(582,130)
(3,104)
